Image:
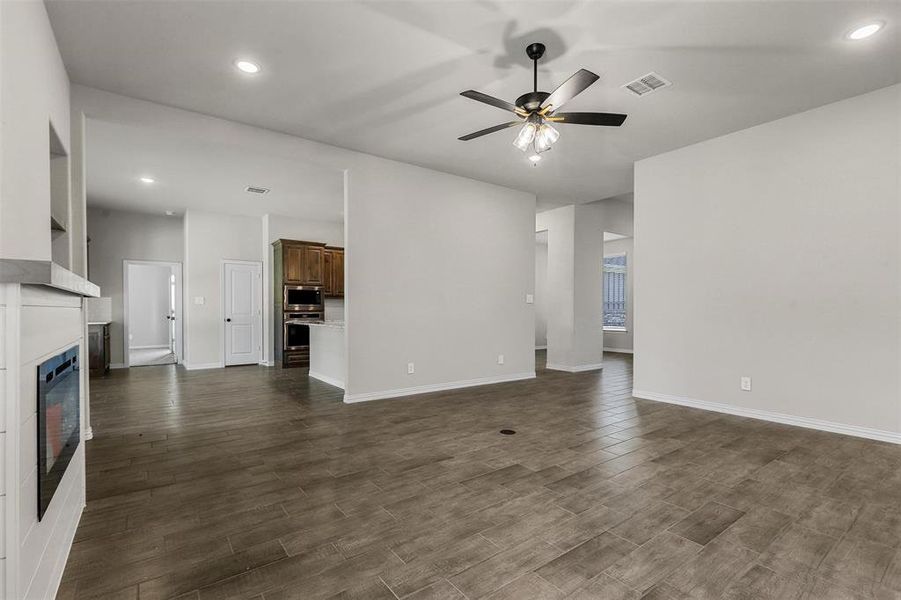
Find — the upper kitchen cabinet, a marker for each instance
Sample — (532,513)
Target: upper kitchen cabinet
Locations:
(334,272)
(302,262)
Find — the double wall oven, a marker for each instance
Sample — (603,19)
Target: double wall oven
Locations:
(300,305)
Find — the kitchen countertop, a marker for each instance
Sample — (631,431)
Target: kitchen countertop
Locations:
(333,324)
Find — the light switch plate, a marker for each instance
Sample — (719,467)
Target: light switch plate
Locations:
(199,299)
(411,368)
(530,299)
(746,384)
(500,359)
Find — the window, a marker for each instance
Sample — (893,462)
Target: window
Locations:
(615,292)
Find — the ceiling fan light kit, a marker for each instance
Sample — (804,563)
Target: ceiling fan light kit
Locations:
(537,110)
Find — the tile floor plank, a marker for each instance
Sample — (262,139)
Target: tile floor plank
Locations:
(260,483)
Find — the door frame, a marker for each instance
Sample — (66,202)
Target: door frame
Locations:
(179,307)
(223,345)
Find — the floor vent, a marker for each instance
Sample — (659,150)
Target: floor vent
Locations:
(646,84)
(256,190)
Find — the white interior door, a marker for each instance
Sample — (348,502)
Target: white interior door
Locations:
(243,295)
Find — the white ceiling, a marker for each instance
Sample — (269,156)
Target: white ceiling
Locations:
(192,173)
(384,77)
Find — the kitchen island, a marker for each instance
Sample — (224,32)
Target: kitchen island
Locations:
(327,354)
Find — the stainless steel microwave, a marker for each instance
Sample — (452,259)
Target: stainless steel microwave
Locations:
(303,298)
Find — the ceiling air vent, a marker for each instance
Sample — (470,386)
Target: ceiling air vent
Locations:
(646,84)
(256,190)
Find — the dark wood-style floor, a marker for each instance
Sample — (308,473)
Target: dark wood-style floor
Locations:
(259,483)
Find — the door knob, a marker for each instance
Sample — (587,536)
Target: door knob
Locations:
(228,320)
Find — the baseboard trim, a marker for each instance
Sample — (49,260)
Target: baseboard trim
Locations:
(326,379)
(267,363)
(541,347)
(435,387)
(147,347)
(201,366)
(775,417)
(574,369)
(117,366)
(620,350)
(89,433)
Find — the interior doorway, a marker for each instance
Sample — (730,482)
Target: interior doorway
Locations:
(541,299)
(152,293)
(618,302)
(242,308)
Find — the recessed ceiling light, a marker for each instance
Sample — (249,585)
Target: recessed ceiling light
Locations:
(146,179)
(247,66)
(865,31)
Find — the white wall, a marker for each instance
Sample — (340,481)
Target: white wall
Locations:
(117,236)
(617,215)
(575,336)
(34,91)
(773,253)
(148,305)
(541,291)
(211,238)
(622,340)
(437,270)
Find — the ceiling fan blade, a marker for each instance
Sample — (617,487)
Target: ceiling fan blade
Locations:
(502,104)
(568,90)
(588,118)
(482,132)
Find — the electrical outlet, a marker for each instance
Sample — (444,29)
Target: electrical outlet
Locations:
(500,359)
(530,299)
(411,368)
(746,384)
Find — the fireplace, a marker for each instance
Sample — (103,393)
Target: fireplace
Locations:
(59,429)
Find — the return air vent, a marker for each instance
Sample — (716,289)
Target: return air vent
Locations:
(646,84)
(256,190)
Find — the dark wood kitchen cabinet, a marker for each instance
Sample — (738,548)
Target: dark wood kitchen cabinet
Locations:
(302,262)
(334,272)
(98,348)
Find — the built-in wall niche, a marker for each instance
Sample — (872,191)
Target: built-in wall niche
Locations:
(59,201)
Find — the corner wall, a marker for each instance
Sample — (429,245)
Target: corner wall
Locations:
(775,253)
(437,269)
(575,255)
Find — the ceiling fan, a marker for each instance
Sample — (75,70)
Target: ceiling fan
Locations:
(537,110)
